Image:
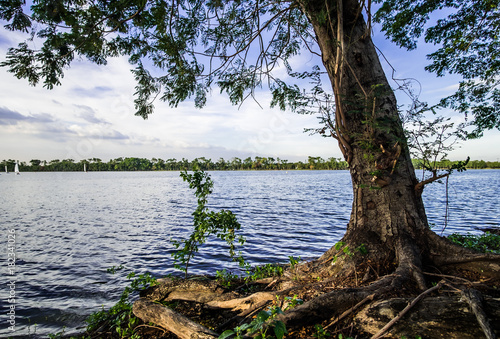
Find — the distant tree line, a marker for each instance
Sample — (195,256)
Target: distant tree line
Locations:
(157,164)
(472,164)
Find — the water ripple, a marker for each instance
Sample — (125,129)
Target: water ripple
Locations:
(71,227)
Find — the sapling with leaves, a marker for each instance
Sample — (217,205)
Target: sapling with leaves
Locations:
(222,224)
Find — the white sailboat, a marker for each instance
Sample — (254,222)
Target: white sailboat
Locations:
(16,169)
(6,170)
(84,167)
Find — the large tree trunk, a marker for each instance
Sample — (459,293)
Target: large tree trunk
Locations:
(388,216)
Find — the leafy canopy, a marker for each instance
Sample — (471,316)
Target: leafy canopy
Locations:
(468,36)
(180,49)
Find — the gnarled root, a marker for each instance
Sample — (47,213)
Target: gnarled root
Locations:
(443,253)
(172,321)
(339,289)
(202,291)
(475,301)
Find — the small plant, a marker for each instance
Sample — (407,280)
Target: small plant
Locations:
(291,302)
(264,321)
(362,249)
(293,261)
(321,333)
(225,278)
(222,224)
(120,316)
(341,246)
(257,326)
(264,271)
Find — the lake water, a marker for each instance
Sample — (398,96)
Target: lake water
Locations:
(70,227)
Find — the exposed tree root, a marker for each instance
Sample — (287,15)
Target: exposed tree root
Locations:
(172,321)
(405,310)
(444,253)
(474,299)
(352,309)
(246,303)
(332,299)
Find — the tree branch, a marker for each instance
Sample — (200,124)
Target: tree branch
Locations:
(420,186)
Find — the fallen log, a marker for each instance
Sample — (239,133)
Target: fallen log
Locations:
(170,320)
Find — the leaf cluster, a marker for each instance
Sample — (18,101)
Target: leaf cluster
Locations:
(264,271)
(179,49)
(486,243)
(346,250)
(469,46)
(264,321)
(120,316)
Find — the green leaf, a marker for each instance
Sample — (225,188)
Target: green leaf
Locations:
(338,246)
(263,316)
(279,329)
(226,334)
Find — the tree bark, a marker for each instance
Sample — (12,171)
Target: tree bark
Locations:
(388,214)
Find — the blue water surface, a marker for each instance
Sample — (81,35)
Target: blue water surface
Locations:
(70,227)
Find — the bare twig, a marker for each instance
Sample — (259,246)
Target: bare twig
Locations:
(352,309)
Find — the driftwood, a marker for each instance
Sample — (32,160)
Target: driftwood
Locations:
(170,320)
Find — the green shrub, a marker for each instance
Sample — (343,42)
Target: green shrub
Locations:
(487,242)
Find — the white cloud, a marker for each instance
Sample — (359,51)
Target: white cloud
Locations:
(92,115)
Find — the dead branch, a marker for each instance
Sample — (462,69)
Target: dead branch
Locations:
(420,186)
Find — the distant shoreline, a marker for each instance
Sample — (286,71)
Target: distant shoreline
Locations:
(234,164)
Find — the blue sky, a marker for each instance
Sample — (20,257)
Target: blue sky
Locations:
(92,116)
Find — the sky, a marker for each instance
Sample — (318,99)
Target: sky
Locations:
(92,116)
